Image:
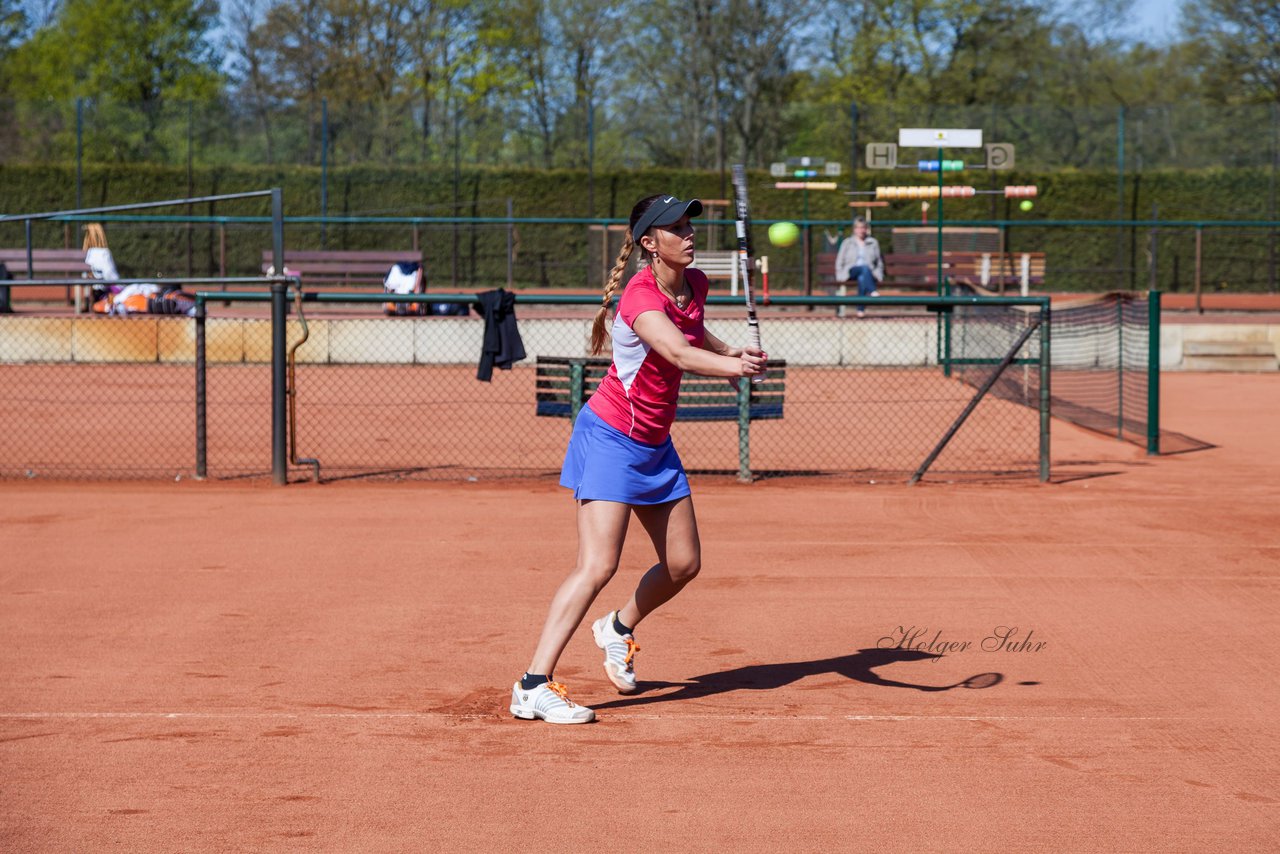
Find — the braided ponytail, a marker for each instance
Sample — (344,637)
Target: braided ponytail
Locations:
(598,330)
(611,287)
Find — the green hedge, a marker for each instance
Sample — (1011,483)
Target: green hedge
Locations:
(475,256)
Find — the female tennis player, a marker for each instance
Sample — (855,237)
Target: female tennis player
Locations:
(620,459)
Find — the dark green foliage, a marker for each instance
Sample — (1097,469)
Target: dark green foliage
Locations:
(567,255)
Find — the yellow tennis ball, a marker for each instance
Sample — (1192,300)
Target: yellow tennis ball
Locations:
(784,234)
(1025,204)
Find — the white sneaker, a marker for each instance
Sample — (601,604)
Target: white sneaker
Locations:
(619,653)
(550,702)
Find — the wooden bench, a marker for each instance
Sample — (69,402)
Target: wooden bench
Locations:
(45,264)
(994,271)
(565,382)
(983,272)
(341,267)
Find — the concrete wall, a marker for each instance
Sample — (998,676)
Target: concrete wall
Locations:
(457,340)
(1173,337)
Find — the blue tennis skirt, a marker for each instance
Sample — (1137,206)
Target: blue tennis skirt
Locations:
(602,464)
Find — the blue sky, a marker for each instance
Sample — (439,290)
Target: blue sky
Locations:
(1155,20)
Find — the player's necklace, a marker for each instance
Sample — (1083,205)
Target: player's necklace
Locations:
(681,299)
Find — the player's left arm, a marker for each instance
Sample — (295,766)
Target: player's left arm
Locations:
(715,345)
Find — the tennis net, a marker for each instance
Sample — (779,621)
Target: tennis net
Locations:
(1105,372)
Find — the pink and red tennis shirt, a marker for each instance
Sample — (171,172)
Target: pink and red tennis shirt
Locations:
(638,395)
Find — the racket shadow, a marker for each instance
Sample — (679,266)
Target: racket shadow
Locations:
(859,666)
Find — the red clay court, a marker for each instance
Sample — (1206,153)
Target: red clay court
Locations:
(233,667)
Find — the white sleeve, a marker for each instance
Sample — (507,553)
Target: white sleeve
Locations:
(101,263)
(843,261)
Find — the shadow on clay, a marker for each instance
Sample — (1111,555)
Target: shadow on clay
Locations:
(859,666)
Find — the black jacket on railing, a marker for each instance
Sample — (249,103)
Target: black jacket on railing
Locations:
(502,345)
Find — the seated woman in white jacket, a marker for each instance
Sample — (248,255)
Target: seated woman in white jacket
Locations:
(859,260)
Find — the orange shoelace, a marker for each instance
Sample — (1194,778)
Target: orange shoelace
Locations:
(561,691)
(632,649)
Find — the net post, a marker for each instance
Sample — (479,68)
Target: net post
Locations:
(1046,364)
(1153,372)
(744,430)
(279,314)
(1120,367)
(279,403)
(202,437)
(1199,266)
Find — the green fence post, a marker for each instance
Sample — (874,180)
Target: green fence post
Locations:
(324,170)
(1046,399)
(279,315)
(1153,372)
(1120,112)
(31,264)
(947,319)
(80,152)
(1120,368)
(202,436)
(942,291)
(744,429)
(577,378)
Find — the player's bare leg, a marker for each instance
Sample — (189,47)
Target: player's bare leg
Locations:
(674,532)
(602,527)
(673,528)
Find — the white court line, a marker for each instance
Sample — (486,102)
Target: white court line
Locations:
(433,716)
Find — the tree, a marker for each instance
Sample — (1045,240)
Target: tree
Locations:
(445,44)
(710,79)
(1238,45)
(249,57)
(756,56)
(13,24)
(126,53)
(588,33)
(131,51)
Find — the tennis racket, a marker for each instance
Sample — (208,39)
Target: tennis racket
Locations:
(746,263)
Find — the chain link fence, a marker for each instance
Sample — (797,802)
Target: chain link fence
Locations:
(381,396)
(95,396)
(867,396)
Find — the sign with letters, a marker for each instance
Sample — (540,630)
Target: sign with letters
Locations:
(999,155)
(882,155)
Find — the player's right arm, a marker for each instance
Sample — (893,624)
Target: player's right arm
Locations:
(656,329)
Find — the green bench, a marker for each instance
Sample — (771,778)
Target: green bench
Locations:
(565,382)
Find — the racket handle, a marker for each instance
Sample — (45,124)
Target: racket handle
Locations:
(753,338)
